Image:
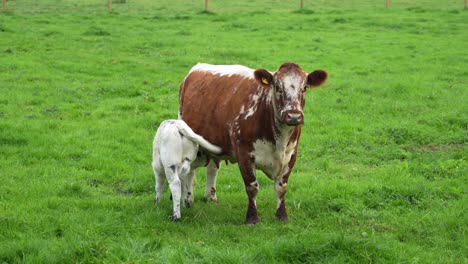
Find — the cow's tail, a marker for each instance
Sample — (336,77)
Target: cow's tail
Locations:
(185,130)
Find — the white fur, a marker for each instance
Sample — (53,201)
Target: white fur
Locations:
(224,70)
(271,159)
(175,149)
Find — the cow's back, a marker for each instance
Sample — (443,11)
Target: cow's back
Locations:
(211,99)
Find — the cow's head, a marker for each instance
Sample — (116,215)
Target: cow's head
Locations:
(289,85)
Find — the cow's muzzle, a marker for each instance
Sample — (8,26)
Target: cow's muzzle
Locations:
(293,118)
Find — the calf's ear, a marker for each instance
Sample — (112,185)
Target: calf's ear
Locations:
(263,77)
(317,78)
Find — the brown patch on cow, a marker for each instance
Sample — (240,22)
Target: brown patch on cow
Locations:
(290,66)
(263,77)
(317,78)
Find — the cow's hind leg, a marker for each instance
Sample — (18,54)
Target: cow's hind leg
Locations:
(211,173)
(160,181)
(246,166)
(175,186)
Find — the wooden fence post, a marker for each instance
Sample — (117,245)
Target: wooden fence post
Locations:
(109,6)
(387,3)
(302,3)
(4,7)
(206,5)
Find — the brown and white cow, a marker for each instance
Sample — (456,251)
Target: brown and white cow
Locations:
(255,116)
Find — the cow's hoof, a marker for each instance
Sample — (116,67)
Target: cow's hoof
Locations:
(252,218)
(175,218)
(212,199)
(281,215)
(284,218)
(187,203)
(252,221)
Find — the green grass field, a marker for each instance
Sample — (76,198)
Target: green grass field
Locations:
(381,175)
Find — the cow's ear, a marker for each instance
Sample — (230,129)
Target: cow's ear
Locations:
(317,78)
(263,77)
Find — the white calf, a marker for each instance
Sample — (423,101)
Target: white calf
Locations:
(175,156)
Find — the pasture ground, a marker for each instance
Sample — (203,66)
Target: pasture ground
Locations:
(381,175)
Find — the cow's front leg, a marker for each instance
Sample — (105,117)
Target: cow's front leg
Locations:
(247,168)
(281,186)
(211,173)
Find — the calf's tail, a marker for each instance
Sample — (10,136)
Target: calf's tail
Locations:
(185,130)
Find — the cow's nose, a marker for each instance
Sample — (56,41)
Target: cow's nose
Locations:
(294,119)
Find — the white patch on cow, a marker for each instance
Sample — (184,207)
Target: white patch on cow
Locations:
(241,111)
(273,159)
(224,70)
(252,107)
(293,85)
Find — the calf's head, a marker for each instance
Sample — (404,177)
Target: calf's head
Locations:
(289,84)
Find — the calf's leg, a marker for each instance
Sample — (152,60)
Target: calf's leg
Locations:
(175,186)
(160,181)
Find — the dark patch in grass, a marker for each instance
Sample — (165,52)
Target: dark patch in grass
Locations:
(73,190)
(304,11)
(96,31)
(13,141)
(417,9)
(58,232)
(434,148)
(51,111)
(184,33)
(51,33)
(119,1)
(93,182)
(4,29)
(156,17)
(220,19)
(455,11)
(77,156)
(179,17)
(340,20)
(206,12)
(138,188)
